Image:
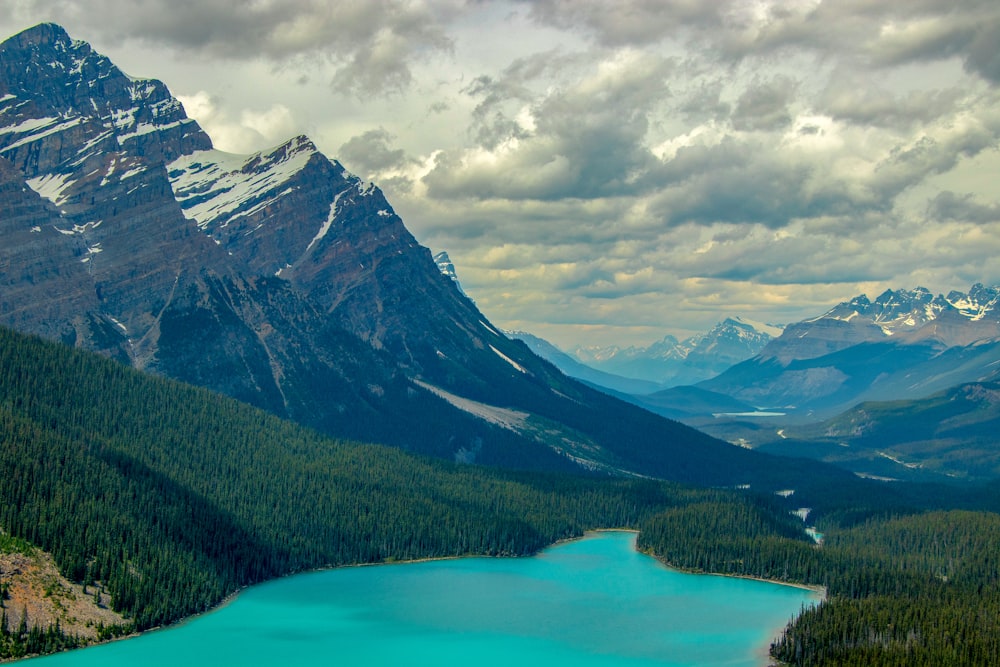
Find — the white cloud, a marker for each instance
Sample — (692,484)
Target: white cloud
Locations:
(253,130)
(613,171)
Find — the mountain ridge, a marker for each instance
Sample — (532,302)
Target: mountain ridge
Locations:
(904,344)
(666,362)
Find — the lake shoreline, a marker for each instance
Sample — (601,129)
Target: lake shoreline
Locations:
(763,652)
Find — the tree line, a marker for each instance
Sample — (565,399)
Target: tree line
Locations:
(914,589)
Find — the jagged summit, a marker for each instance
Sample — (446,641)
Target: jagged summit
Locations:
(53,84)
(958,318)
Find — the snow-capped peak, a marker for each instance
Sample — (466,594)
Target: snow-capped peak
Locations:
(446,267)
(212,184)
(901,310)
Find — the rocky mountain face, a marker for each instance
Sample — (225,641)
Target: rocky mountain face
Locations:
(278,278)
(905,344)
(669,362)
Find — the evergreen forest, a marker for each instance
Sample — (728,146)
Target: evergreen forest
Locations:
(171,497)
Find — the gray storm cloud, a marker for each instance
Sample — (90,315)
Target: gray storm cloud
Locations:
(620,169)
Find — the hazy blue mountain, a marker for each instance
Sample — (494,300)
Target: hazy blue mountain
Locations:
(952,433)
(905,344)
(669,362)
(577,369)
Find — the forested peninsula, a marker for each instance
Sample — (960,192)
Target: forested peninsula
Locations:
(167,498)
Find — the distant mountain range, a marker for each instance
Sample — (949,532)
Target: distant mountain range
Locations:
(926,365)
(905,344)
(282,280)
(666,363)
(899,387)
(575,368)
(669,362)
(902,387)
(644,370)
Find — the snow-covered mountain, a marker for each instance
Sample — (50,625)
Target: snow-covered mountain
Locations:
(901,315)
(905,344)
(669,362)
(278,278)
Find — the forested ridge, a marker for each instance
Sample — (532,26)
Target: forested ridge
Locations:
(170,497)
(920,589)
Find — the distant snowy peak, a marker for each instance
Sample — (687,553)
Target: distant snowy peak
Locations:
(896,311)
(447,268)
(753,327)
(669,362)
(903,316)
(733,338)
(980,303)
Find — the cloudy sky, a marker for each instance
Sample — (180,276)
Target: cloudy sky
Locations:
(610,171)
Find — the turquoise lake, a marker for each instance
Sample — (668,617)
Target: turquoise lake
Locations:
(590,602)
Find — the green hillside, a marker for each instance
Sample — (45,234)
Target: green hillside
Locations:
(918,589)
(169,498)
(173,497)
(953,433)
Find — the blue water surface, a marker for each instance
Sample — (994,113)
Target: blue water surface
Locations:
(590,602)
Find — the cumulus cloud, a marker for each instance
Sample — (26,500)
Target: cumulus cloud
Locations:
(764,105)
(884,32)
(622,168)
(856,99)
(372,43)
(370,153)
(582,138)
(630,22)
(251,131)
(951,206)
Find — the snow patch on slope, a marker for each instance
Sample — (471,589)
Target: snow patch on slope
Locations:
(37,128)
(512,420)
(329,221)
(510,361)
(52,187)
(212,185)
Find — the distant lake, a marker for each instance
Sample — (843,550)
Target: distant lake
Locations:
(755,413)
(589,602)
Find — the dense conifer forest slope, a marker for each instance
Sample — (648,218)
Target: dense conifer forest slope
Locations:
(170,497)
(910,587)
